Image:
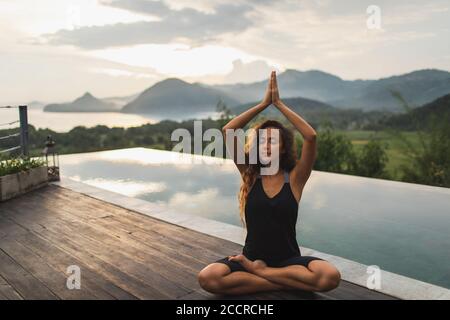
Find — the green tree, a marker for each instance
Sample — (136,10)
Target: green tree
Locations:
(372,160)
(429,162)
(334,151)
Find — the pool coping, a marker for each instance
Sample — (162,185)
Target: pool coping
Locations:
(391,283)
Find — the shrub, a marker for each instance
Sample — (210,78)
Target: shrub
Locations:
(18,164)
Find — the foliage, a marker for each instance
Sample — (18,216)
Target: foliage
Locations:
(334,151)
(18,164)
(372,160)
(429,162)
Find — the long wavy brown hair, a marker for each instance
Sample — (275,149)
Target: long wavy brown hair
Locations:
(288,156)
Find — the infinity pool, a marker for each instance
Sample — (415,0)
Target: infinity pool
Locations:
(400,227)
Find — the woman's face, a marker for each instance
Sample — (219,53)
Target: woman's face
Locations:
(270,144)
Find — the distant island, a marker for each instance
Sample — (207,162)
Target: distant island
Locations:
(86,103)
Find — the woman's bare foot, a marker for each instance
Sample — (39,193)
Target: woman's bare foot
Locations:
(250,266)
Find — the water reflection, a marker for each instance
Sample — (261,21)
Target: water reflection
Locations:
(65,121)
(400,227)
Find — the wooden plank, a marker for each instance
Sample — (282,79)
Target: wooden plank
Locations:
(350,291)
(110,271)
(7,226)
(151,262)
(150,224)
(191,277)
(198,295)
(51,278)
(201,294)
(255,297)
(23,282)
(108,209)
(7,292)
(298,295)
(134,285)
(147,243)
(113,241)
(191,260)
(64,235)
(60,259)
(208,244)
(134,250)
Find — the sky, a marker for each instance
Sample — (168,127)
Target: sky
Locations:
(55,50)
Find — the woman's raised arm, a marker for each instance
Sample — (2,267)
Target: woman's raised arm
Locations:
(304,166)
(241,120)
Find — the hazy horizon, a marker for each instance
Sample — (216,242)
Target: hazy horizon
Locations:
(55,51)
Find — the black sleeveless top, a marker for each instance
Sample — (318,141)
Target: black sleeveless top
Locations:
(271,223)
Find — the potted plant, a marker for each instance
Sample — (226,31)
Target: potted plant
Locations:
(21,175)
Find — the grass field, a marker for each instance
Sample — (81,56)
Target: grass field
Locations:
(395,148)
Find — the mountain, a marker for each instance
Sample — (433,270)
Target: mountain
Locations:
(86,103)
(175,97)
(317,113)
(36,105)
(417,88)
(313,84)
(420,117)
(299,105)
(120,102)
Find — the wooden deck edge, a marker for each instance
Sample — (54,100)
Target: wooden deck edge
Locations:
(392,284)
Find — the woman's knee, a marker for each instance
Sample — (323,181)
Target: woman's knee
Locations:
(328,276)
(210,279)
(329,280)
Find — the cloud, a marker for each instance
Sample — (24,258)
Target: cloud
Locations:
(332,36)
(118,45)
(248,72)
(157,8)
(41,73)
(241,72)
(187,25)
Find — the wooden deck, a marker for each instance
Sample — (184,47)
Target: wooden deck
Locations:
(121,253)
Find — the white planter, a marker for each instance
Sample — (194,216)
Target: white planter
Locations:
(13,185)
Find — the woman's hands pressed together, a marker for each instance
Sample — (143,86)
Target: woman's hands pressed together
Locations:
(272,95)
(276,101)
(267,100)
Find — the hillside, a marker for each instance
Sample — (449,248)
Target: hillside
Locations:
(417,88)
(175,97)
(420,116)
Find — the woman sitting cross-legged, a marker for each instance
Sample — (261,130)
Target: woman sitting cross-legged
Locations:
(271,258)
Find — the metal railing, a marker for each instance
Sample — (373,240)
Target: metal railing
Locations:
(23,131)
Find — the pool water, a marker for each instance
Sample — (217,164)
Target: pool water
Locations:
(401,227)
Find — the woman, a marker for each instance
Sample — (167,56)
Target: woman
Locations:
(271,258)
